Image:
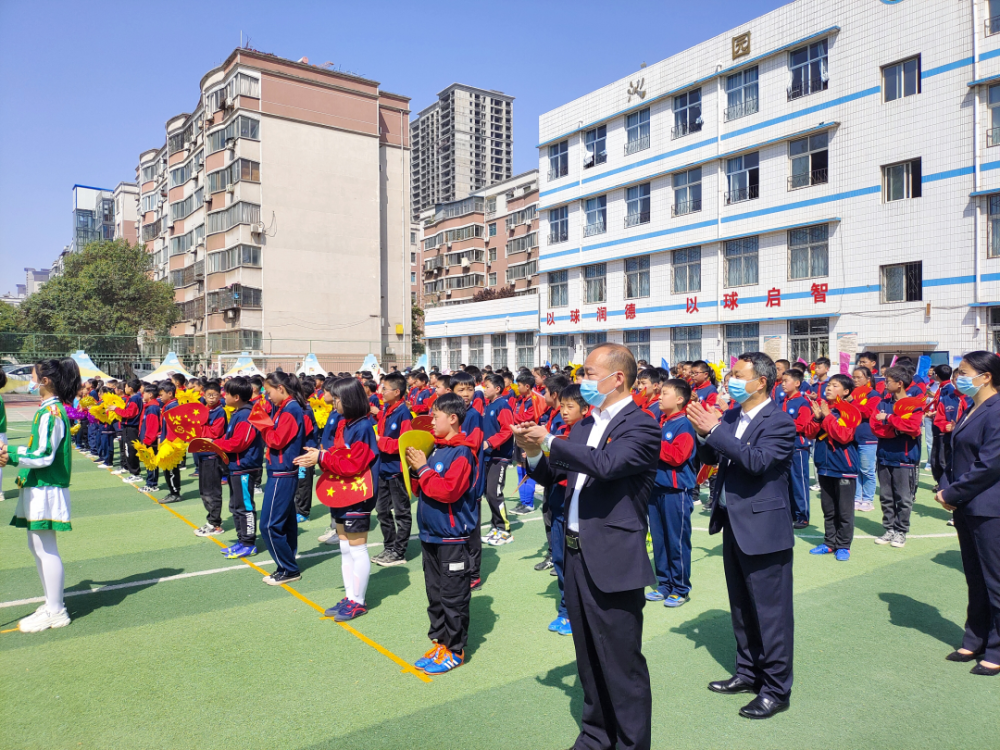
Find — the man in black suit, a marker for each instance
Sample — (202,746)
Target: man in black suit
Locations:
(753,448)
(609,461)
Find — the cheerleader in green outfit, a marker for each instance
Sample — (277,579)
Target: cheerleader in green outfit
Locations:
(45,466)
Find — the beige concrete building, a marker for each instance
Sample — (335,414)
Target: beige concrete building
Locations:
(278,209)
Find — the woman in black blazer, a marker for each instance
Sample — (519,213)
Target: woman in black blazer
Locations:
(971,488)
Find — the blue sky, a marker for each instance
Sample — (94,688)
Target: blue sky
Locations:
(86,87)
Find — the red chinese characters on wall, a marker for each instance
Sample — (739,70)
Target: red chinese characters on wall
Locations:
(550,319)
(774,297)
(818,292)
(602,314)
(692,305)
(574,316)
(731,301)
(630,311)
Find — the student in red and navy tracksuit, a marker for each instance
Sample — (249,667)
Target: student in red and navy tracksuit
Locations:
(821,376)
(245,449)
(173,476)
(948,407)
(528,407)
(149,432)
(326,439)
(704,386)
(778,392)
(463,385)
(648,384)
(898,457)
(353,456)
(865,398)
(446,515)
(420,405)
(670,504)
(498,451)
(552,420)
(392,506)
(130,417)
(836,456)
(306,474)
(210,469)
(797,406)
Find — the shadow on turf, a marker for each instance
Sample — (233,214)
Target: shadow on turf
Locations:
(482,618)
(951,558)
(713,631)
(566,679)
(907,612)
(81,606)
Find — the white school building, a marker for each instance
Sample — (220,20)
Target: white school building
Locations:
(824,179)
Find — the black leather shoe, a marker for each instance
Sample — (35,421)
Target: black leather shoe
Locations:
(957,655)
(798,525)
(735,684)
(985,671)
(763,708)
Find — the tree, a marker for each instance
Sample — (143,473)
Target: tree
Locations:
(502,292)
(416,330)
(10,318)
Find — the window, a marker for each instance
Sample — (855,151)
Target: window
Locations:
(741,94)
(233,257)
(558,288)
(808,253)
(993,136)
(235,341)
(522,244)
(808,339)
(743,178)
(498,345)
(476,351)
(473,204)
(242,85)
(742,338)
(493,254)
(809,70)
(637,342)
(687,114)
(687,270)
(522,271)
(413,278)
(524,216)
(597,214)
(637,277)
(595,142)
(434,352)
(901,79)
(994,329)
(239,127)
(237,171)
(238,213)
(455,352)
(562,349)
(185,242)
(558,160)
(637,202)
(150,202)
(558,225)
(181,175)
(902,181)
(594,277)
(687,192)
(993,27)
(464,282)
(413,238)
(493,229)
(810,158)
(685,344)
(903,282)
(637,131)
(525,349)
(235,296)
(187,206)
(492,280)
(994,241)
(592,340)
(741,262)
(413,259)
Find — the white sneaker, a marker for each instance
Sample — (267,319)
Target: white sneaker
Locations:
(132,480)
(329,537)
(208,530)
(488,537)
(43,620)
(119,471)
(502,537)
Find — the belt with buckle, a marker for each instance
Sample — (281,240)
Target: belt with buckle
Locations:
(572,540)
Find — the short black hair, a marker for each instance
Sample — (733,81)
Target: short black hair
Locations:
(870,356)
(943,372)
(150,388)
(395,380)
(556,384)
(681,387)
(451,403)
(178,378)
(462,376)
(444,380)
(572,393)
(495,380)
(169,388)
(420,377)
(476,373)
(794,373)
(655,375)
(257,380)
(763,367)
(703,366)
(351,395)
(844,381)
(900,374)
(526,378)
(213,385)
(240,388)
(135,384)
(823,361)
(784,362)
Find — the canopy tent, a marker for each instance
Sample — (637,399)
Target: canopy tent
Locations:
(87,367)
(371,365)
(243,366)
(421,363)
(168,367)
(310,366)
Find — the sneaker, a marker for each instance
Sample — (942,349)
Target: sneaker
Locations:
(103,465)
(899,540)
(132,479)
(299,518)
(565,628)
(329,537)
(149,488)
(42,619)
(655,596)
(675,600)
(475,584)
(552,572)
(814,487)
(950,522)
(445,662)
(822,549)
(350,611)
(116,472)
(280,577)
(239,550)
(554,625)
(392,559)
(799,525)
(546,562)
(171,498)
(886,538)
(522,510)
(335,609)
(867,507)
(843,555)
(377,559)
(429,657)
(927,467)
(857,505)
(501,538)
(492,533)
(208,530)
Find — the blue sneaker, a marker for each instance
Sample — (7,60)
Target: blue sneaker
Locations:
(446,661)
(843,555)
(820,550)
(655,596)
(429,657)
(299,518)
(557,623)
(239,550)
(350,611)
(565,628)
(335,609)
(675,600)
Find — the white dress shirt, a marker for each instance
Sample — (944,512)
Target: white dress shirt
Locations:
(746,417)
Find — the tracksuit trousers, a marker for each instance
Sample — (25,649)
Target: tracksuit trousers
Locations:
(447,579)
(278,528)
(210,487)
(800,485)
(670,527)
(241,489)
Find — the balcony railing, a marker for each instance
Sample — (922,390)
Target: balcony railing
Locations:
(805,179)
(744,108)
(993,26)
(685,128)
(634,220)
(806,87)
(743,194)
(558,236)
(637,144)
(688,207)
(597,227)
(993,137)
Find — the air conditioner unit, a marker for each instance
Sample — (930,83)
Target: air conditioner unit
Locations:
(231,188)
(227,102)
(465,262)
(232,314)
(230,142)
(257,228)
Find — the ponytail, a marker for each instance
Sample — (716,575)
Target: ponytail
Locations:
(290,383)
(64,375)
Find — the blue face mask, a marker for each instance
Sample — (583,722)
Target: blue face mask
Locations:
(32,387)
(964,385)
(588,389)
(738,390)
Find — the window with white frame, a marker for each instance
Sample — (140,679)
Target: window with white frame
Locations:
(808,67)
(525,349)
(637,131)
(742,338)
(593,340)
(637,342)
(809,161)
(637,205)
(687,270)
(562,349)
(476,351)
(743,178)
(741,94)
(597,215)
(434,352)
(808,253)
(902,282)
(808,339)
(993,250)
(687,192)
(595,287)
(993,135)
(492,280)
(685,344)
(595,142)
(493,254)
(994,329)
(901,79)
(521,271)
(558,225)
(558,288)
(741,261)
(902,181)
(498,350)
(993,27)
(637,277)
(687,114)
(558,160)
(455,352)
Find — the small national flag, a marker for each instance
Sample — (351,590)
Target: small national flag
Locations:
(342,492)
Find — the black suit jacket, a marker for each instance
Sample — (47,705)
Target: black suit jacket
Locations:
(754,469)
(615,496)
(971,481)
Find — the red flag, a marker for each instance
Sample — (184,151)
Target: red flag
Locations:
(424,422)
(707,472)
(185,422)
(259,417)
(342,492)
(204,445)
(848,412)
(906,406)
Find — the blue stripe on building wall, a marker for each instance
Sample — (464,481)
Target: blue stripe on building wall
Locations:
(482,317)
(930,72)
(803,204)
(803,112)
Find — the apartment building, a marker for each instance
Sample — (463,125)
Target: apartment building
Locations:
(461,143)
(487,241)
(277,207)
(822,180)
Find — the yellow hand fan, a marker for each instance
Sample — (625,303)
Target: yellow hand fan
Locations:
(422,441)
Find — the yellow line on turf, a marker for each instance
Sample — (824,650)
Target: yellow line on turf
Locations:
(12,630)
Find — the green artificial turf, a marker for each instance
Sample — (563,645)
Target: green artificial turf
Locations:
(221,660)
